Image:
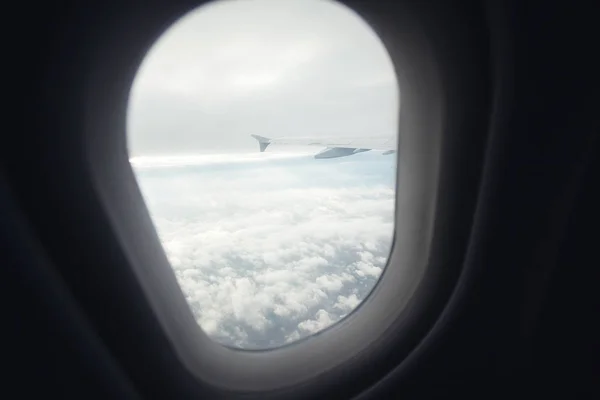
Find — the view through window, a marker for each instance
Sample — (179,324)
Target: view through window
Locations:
(276,236)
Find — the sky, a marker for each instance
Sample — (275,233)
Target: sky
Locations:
(271,247)
(268,67)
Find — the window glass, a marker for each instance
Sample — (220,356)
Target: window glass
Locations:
(262,135)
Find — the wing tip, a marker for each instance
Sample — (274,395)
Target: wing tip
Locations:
(263,142)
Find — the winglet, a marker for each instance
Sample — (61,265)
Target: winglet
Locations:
(263,142)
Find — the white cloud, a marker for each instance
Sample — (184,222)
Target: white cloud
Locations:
(347,303)
(321,321)
(270,67)
(269,252)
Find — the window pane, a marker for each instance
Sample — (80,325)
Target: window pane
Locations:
(276,236)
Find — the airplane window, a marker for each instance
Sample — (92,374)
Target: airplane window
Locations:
(263,134)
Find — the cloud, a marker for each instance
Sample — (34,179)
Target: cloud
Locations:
(268,248)
(270,67)
(271,250)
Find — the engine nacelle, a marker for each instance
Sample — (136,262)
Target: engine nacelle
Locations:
(333,152)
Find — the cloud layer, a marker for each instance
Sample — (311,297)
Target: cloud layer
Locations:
(269,248)
(268,67)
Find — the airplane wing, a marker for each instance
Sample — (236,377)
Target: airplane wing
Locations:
(335,147)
